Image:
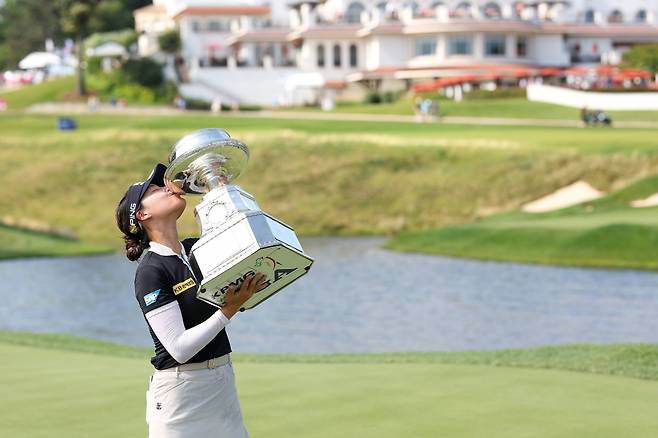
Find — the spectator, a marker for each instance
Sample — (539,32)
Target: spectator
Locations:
(216,106)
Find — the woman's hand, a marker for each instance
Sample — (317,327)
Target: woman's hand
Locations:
(236,297)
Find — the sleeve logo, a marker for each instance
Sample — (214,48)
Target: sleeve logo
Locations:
(150,298)
(183,286)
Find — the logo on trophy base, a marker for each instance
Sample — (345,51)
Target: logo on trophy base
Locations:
(237,238)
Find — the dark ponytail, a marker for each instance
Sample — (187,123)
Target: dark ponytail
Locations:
(135,243)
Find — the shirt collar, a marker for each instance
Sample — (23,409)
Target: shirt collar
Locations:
(164,250)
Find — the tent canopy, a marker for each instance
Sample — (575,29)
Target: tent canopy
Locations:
(39,60)
(107,49)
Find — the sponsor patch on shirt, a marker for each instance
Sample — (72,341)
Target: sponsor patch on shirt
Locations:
(150,298)
(184,285)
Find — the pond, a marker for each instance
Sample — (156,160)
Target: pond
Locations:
(357,298)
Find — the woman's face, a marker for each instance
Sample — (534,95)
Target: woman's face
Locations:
(161,203)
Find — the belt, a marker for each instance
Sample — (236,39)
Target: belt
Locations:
(206,364)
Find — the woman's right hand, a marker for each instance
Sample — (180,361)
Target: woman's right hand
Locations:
(235,297)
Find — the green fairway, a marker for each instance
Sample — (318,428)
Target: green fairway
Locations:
(508,107)
(604,233)
(88,388)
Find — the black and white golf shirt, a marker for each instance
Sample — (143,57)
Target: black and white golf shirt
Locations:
(163,277)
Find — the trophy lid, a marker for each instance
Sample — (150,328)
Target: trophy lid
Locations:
(206,159)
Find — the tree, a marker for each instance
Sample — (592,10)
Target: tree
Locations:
(643,56)
(26,24)
(78,18)
(19,35)
(170,41)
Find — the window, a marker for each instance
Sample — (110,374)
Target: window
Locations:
(589,16)
(415,8)
(353,56)
(320,54)
(463,10)
(353,14)
(214,26)
(494,45)
(337,60)
(196,26)
(492,10)
(460,45)
(517,9)
(641,16)
(425,46)
(615,16)
(521,47)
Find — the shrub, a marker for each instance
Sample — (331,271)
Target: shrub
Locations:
(143,71)
(135,93)
(93,64)
(249,107)
(197,104)
(373,97)
(170,41)
(644,56)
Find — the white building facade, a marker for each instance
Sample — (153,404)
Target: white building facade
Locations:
(354,45)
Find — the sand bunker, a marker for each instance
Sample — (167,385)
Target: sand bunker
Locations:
(573,194)
(651,201)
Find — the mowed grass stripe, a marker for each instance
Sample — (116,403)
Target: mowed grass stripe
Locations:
(76,394)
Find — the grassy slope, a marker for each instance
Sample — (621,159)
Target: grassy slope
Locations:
(321,177)
(78,394)
(49,91)
(606,232)
(513,108)
(23,243)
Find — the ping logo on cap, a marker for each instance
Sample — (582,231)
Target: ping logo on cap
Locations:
(133,219)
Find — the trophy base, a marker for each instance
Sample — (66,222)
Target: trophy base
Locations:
(250,242)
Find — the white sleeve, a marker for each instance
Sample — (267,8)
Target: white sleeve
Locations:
(182,345)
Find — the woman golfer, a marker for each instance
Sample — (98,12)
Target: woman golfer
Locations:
(192,390)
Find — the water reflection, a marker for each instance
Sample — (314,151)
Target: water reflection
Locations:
(357,298)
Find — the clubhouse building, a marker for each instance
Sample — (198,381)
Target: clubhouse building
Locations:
(282,52)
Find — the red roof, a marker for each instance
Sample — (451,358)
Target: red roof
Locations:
(618,75)
(224,10)
(335,84)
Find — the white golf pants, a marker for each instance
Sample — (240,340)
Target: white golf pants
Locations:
(195,403)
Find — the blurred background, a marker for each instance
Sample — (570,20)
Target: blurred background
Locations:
(477,182)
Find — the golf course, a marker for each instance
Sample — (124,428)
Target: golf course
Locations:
(90,388)
(336,177)
(448,189)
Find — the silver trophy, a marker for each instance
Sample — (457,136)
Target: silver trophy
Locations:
(236,237)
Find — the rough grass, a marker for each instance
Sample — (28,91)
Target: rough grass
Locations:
(603,233)
(329,178)
(78,394)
